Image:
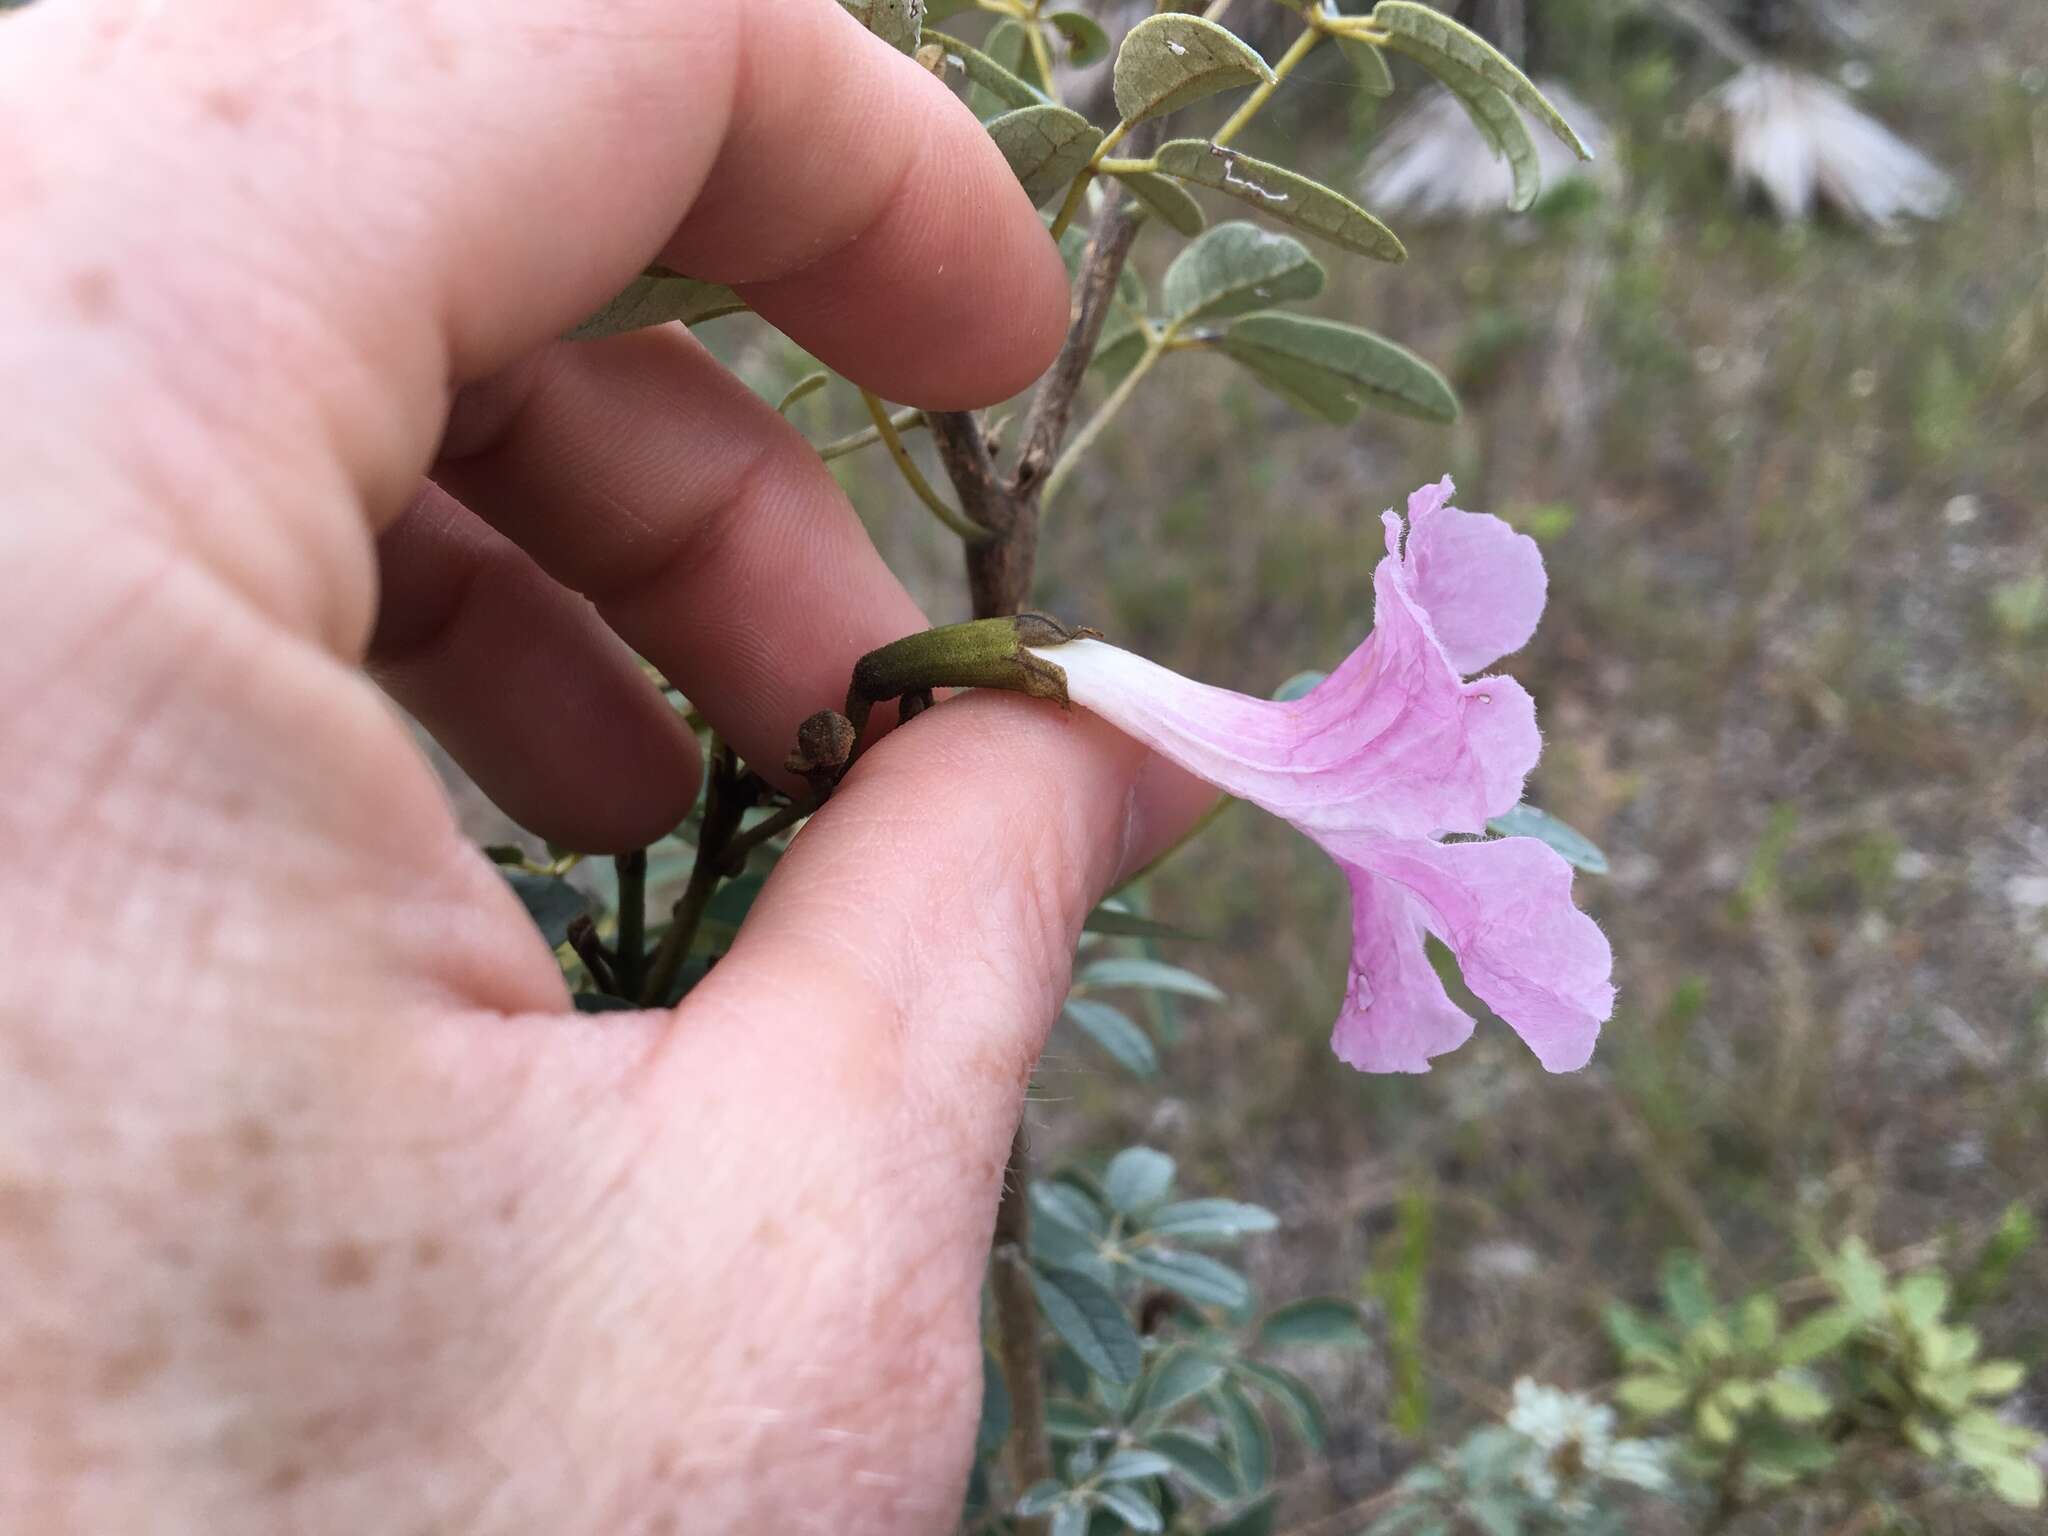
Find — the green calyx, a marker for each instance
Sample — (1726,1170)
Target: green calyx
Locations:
(985,653)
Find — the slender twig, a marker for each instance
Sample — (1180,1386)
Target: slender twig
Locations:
(1109,245)
(597,960)
(1298,50)
(1016,1307)
(738,850)
(725,801)
(632,944)
(1042,56)
(1084,439)
(1079,189)
(913,477)
(853,442)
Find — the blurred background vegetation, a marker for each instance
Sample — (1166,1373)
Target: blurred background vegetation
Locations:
(1791,482)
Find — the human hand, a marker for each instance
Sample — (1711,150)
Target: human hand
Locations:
(318,1208)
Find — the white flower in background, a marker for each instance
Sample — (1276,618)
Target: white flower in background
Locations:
(1434,163)
(1572,1447)
(1799,141)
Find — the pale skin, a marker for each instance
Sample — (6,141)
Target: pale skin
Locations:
(318,1209)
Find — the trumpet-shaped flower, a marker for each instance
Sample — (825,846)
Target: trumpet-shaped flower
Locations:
(1377,764)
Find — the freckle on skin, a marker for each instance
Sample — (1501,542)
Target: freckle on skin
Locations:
(92,290)
(508,1207)
(226,106)
(428,1251)
(130,1370)
(238,1315)
(346,1266)
(254,1138)
(27,1215)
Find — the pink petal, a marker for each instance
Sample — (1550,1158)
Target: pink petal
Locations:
(1505,909)
(1481,583)
(1391,742)
(1396,1012)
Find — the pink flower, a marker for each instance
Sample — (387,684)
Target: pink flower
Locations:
(1385,756)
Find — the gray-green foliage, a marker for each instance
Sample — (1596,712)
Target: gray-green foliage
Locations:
(1278,193)
(1769,1404)
(1169,60)
(1235,268)
(659,297)
(1332,370)
(1166,1386)
(895,22)
(1047,146)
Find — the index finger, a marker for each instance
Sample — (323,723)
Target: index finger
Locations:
(385,198)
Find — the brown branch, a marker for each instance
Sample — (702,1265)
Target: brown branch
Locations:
(1109,243)
(999,575)
(1029,1453)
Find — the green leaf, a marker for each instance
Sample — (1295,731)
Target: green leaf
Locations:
(552,902)
(1299,686)
(1860,1278)
(1131,1507)
(1292,1394)
(1332,370)
(1039,1497)
(1652,1396)
(1794,1399)
(994,1428)
(1635,1336)
(1058,1201)
(1235,268)
(1047,146)
(1086,41)
(1368,64)
(1821,1334)
(1116,1032)
(1997,1378)
(1119,347)
(1250,1440)
(1137,1177)
(505,853)
(1683,1279)
(1431,38)
(1781,1456)
(1318,1320)
(1175,1375)
(657,297)
(809,384)
(1500,125)
(1198,1221)
(1165,199)
(1757,1322)
(1193,1275)
(1169,60)
(985,72)
(1090,1320)
(895,22)
(1921,1298)
(1109,920)
(1009,44)
(1068,1420)
(1526,821)
(1281,194)
(2016,1480)
(1198,1463)
(1070,1519)
(1152,975)
(1127,1465)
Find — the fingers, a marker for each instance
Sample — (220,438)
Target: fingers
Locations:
(639,472)
(523,684)
(366,202)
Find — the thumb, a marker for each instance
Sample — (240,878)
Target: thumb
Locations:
(922,926)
